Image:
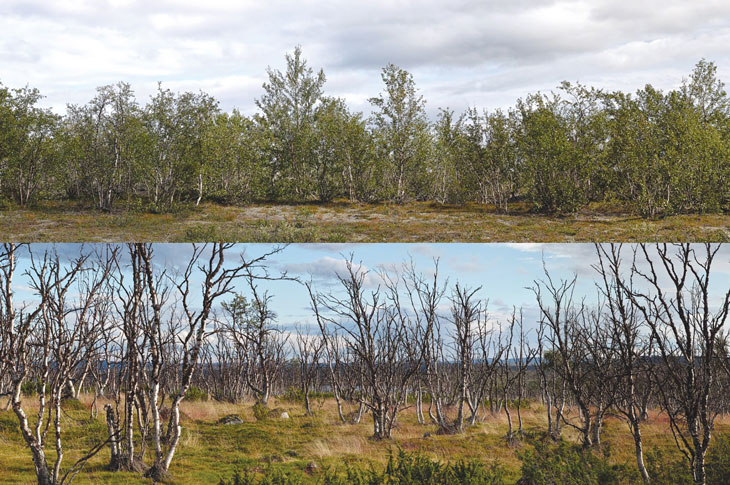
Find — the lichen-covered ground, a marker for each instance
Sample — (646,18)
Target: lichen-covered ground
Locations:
(344,221)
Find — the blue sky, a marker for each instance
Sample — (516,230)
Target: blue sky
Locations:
(504,271)
(461,52)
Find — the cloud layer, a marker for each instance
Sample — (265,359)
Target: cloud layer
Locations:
(464,52)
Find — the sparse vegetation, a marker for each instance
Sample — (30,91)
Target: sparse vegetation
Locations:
(354,222)
(211,452)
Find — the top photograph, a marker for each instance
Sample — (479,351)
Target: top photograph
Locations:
(542,121)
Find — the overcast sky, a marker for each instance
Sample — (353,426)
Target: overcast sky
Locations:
(503,271)
(461,52)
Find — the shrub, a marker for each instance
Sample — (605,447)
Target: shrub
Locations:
(30,387)
(415,468)
(293,395)
(402,469)
(73,404)
(196,394)
(569,464)
(718,460)
(260,412)
(664,469)
(202,232)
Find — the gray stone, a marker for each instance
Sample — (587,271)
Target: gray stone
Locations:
(231,419)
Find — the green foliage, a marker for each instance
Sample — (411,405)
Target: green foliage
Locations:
(718,460)
(652,153)
(289,111)
(202,232)
(401,469)
(554,173)
(401,134)
(196,394)
(29,146)
(30,387)
(293,395)
(74,404)
(566,463)
(272,476)
(663,468)
(260,412)
(414,468)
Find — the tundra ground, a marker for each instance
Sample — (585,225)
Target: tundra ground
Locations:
(345,221)
(210,451)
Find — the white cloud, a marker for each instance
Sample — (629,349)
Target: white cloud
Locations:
(327,270)
(462,53)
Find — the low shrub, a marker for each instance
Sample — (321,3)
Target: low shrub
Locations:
(196,394)
(666,469)
(293,395)
(30,387)
(402,469)
(260,412)
(569,464)
(718,460)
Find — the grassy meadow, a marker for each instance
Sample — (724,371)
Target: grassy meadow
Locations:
(210,451)
(352,222)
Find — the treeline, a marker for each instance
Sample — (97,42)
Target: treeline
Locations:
(141,339)
(651,153)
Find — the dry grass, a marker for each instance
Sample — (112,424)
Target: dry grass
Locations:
(348,222)
(209,451)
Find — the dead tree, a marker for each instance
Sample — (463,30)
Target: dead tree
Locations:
(425,295)
(596,339)
(488,352)
(686,328)
(251,325)
(224,363)
(553,387)
(195,313)
(562,316)
(464,314)
(380,338)
(50,338)
(629,346)
(517,358)
(309,349)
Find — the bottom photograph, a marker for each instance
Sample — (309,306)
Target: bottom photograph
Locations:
(365,363)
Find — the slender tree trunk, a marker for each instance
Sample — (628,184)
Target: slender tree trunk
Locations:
(510,432)
(307,407)
(338,400)
(360,411)
(130,430)
(430,411)
(36,448)
(200,189)
(638,447)
(549,407)
(586,428)
(474,409)
(597,426)
(115,461)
